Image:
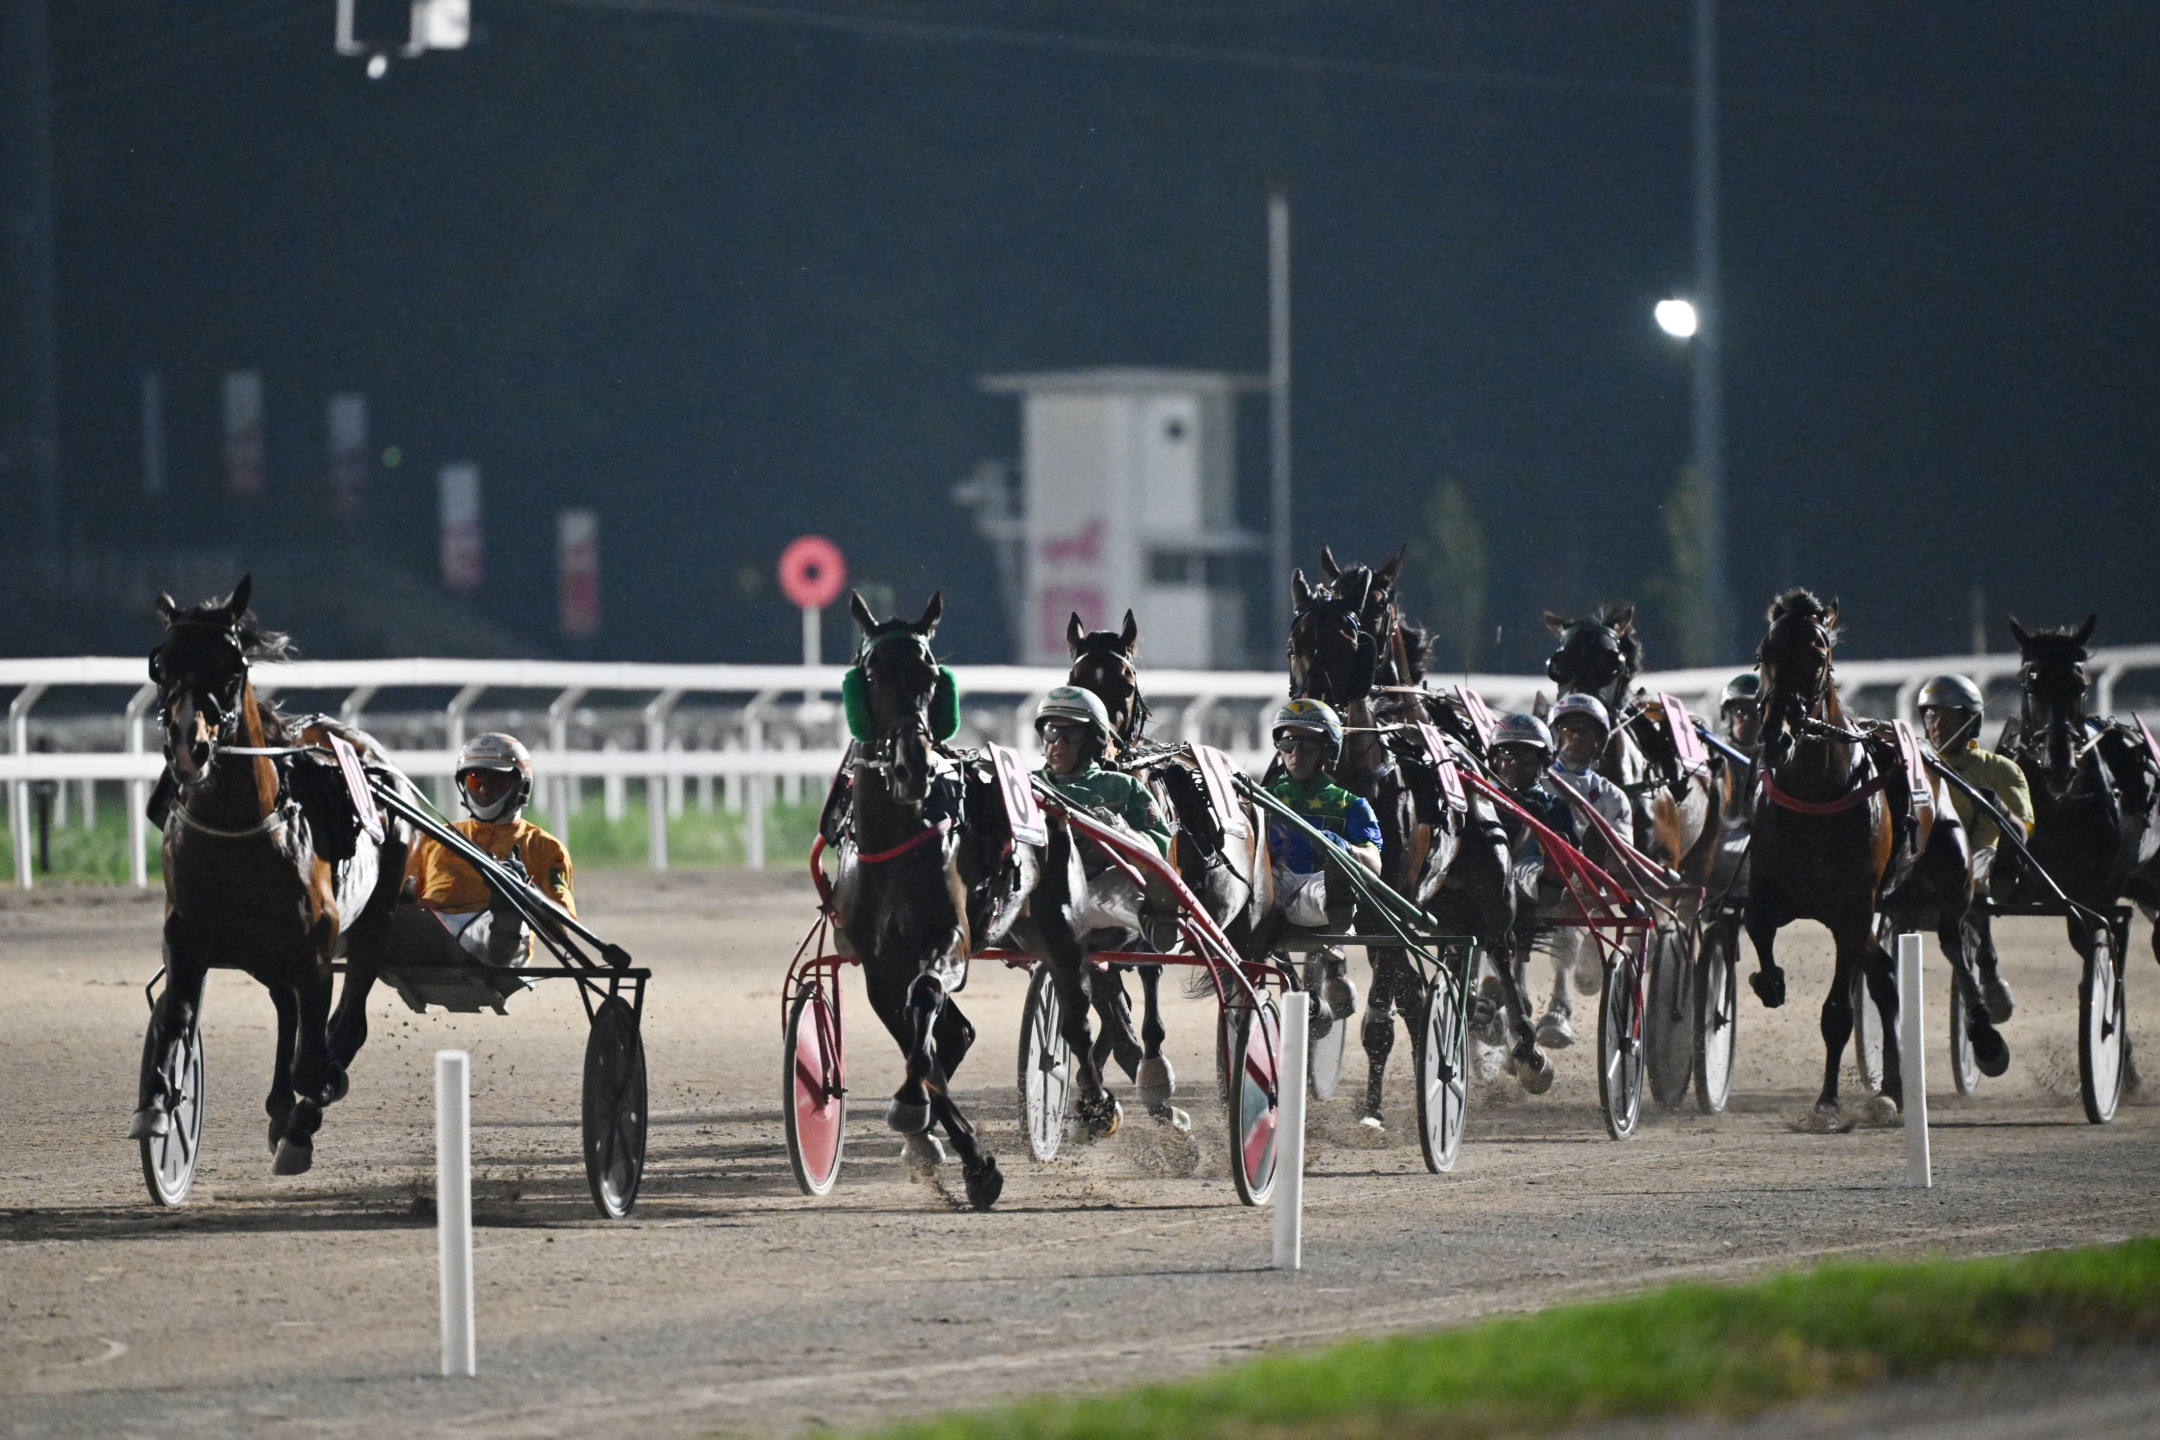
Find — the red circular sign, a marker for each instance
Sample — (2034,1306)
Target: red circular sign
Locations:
(812,572)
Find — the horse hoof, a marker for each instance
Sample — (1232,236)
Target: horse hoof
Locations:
(1555,1031)
(339,1087)
(150,1124)
(1824,1119)
(293,1158)
(277,1132)
(921,1155)
(1769,987)
(1990,1051)
(1102,1117)
(985,1182)
(1341,993)
(1995,995)
(1533,1069)
(1882,1110)
(1158,1082)
(1321,1022)
(909,1117)
(1372,1122)
(1175,1118)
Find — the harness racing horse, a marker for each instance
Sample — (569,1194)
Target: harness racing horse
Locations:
(2096,806)
(1227,873)
(267,868)
(1347,640)
(1841,832)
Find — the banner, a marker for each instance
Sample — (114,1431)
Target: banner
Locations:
(462,557)
(348,454)
(577,564)
(244,432)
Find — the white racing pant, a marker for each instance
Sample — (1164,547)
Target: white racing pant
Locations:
(472,933)
(1301,898)
(1113,903)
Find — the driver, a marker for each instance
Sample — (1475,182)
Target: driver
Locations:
(494,782)
(1521,753)
(1951,706)
(1581,728)
(1075,731)
(1741,712)
(1308,738)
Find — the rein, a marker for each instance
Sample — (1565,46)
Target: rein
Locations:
(920,837)
(1819,807)
(263,826)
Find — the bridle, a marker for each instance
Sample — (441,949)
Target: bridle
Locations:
(1136,703)
(223,700)
(1784,705)
(882,755)
(1330,687)
(1610,651)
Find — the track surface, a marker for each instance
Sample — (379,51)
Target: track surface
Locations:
(729,1302)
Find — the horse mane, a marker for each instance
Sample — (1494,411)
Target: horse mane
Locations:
(1417,642)
(257,641)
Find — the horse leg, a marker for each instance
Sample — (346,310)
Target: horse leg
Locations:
(1761,920)
(317,1079)
(1880,973)
(2001,1004)
(170,1022)
(1531,1067)
(1117,1040)
(1097,1108)
(926,1003)
(279,1105)
(951,1037)
(1555,1028)
(1157,1080)
(1989,1049)
(1837,1027)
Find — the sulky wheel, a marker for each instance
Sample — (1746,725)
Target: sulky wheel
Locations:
(2102,1016)
(1668,1019)
(1323,1051)
(1046,1069)
(813,1101)
(169,1160)
(1717,1018)
(614,1108)
(1620,1046)
(1442,1054)
(1253,1097)
(1964,1064)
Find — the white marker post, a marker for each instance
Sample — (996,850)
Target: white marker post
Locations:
(453,1208)
(1912,1058)
(1290,1134)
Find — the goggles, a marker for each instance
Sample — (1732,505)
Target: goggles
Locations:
(1291,744)
(1067,732)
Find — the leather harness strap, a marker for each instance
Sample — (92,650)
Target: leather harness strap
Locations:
(1819,807)
(922,836)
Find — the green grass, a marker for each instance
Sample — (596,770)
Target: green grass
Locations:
(1720,1349)
(697,839)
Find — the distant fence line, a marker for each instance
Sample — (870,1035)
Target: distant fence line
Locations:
(758,731)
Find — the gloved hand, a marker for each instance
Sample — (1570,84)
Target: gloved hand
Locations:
(506,926)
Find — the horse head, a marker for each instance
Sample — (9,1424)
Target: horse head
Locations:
(2053,718)
(899,677)
(1333,655)
(1103,662)
(1600,654)
(200,669)
(1795,661)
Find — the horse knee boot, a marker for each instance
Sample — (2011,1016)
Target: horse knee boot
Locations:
(1157,1081)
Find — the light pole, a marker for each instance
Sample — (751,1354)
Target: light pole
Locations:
(1707,336)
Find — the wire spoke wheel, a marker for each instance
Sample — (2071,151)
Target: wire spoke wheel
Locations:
(1668,1019)
(1620,1044)
(169,1160)
(1717,1019)
(1323,1052)
(2102,1015)
(614,1108)
(1252,1082)
(1443,1091)
(1964,1063)
(1046,1070)
(1867,1035)
(812,1098)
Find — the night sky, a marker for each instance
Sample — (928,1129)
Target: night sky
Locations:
(727,274)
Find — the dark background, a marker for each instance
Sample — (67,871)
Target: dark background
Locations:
(727,273)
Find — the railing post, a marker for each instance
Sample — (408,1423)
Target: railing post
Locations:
(454,740)
(138,791)
(656,786)
(559,744)
(756,785)
(19,792)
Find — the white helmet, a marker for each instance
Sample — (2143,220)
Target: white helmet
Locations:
(1588,705)
(494,754)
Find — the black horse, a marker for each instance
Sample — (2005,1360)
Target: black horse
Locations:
(1842,831)
(2096,806)
(1350,647)
(267,869)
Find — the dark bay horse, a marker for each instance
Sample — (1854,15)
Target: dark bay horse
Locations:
(1228,874)
(2096,807)
(1348,643)
(1840,834)
(266,868)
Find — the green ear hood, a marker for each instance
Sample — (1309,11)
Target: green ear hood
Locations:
(944,706)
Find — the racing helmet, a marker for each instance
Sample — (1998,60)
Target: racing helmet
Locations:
(1588,705)
(1071,702)
(488,755)
(1952,692)
(1314,717)
(1521,730)
(1743,689)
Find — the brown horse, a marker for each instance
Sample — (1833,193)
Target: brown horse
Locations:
(1841,832)
(266,867)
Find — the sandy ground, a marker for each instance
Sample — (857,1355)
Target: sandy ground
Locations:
(731,1303)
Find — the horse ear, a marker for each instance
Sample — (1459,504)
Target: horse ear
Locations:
(1328,567)
(1829,619)
(1075,632)
(236,604)
(1130,634)
(1541,707)
(2018,632)
(931,614)
(1300,591)
(1554,623)
(863,618)
(2084,632)
(167,609)
(1387,573)
(1621,617)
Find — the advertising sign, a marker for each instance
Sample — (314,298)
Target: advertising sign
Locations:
(244,432)
(348,454)
(462,557)
(577,565)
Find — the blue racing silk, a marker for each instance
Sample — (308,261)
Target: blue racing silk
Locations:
(1344,818)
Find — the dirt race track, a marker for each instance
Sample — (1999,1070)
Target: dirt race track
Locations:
(729,1302)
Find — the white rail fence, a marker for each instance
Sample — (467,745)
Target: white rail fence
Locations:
(760,732)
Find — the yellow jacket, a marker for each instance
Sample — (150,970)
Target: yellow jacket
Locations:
(441,881)
(1986,770)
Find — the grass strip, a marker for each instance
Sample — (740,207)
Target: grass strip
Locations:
(1687,1348)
